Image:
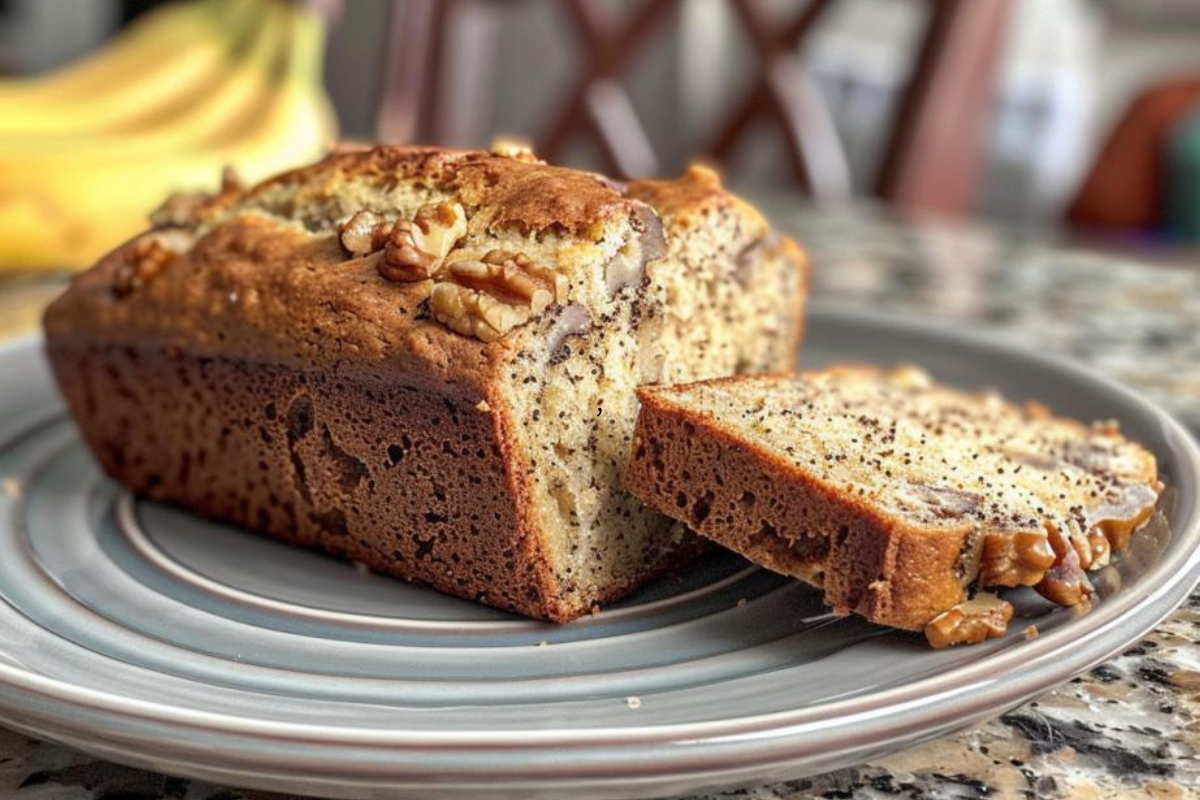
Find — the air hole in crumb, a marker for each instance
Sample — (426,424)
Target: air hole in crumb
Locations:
(843,534)
(350,470)
(300,417)
(424,547)
(332,521)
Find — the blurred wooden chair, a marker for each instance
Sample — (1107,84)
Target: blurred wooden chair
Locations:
(933,153)
(1124,190)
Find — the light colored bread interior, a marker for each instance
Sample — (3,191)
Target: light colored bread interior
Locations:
(695,295)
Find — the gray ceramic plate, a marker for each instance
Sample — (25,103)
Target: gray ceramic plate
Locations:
(144,635)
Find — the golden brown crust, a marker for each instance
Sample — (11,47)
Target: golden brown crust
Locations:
(256,288)
(695,195)
(528,194)
(182,385)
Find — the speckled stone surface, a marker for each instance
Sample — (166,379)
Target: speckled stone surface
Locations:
(1129,728)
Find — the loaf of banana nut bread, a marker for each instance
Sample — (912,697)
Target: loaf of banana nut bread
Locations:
(425,360)
(897,496)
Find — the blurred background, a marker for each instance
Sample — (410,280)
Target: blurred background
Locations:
(1025,169)
(1082,114)
(934,154)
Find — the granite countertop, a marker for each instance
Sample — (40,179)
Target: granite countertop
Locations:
(1129,728)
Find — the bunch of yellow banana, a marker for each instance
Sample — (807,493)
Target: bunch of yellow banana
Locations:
(190,88)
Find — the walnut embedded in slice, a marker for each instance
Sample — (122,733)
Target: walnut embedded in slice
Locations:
(983,617)
(489,297)
(1091,546)
(416,249)
(1015,559)
(1099,550)
(1065,583)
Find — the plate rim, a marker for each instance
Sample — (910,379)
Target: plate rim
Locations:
(719,744)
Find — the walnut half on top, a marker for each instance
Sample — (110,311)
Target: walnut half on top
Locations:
(489,297)
(412,249)
(484,298)
(416,249)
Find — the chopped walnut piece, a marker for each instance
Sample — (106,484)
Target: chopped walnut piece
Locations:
(941,502)
(488,298)
(1015,559)
(364,233)
(145,261)
(1092,547)
(983,617)
(474,313)
(1065,582)
(516,149)
(188,209)
(1101,549)
(416,249)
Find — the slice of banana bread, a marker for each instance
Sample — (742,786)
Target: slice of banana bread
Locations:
(424,360)
(893,493)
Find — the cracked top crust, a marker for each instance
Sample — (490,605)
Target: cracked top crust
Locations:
(519,191)
(698,193)
(259,273)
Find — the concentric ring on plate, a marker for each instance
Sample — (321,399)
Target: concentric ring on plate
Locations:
(103,562)
(782,708)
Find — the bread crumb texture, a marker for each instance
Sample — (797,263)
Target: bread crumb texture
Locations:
(893,493)
(425,360)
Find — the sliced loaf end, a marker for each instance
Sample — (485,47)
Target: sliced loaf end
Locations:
(894,494)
